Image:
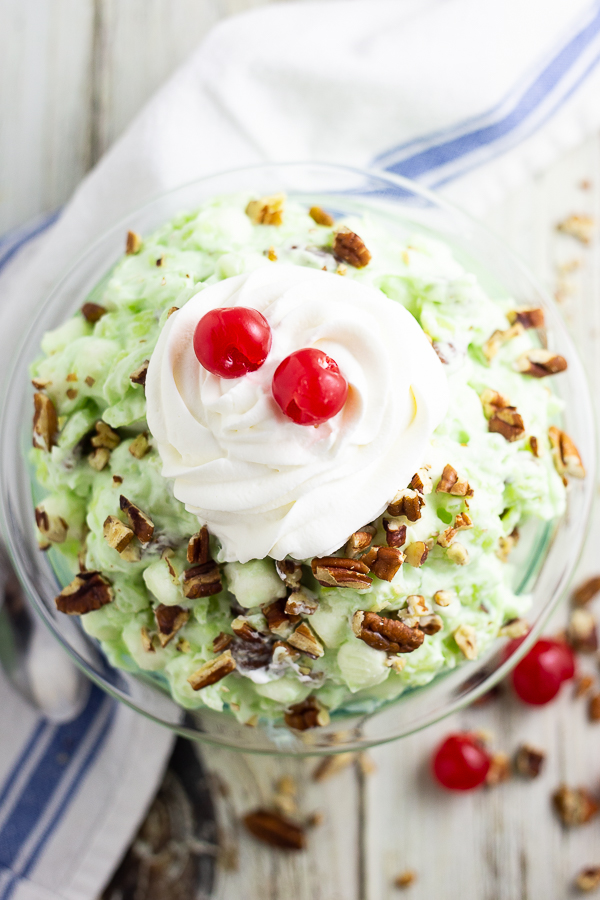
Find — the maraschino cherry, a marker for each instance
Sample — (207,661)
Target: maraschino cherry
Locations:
(537,679)
(309,387)
(232,341)
(461,762)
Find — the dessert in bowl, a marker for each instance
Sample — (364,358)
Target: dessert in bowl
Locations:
(293,461)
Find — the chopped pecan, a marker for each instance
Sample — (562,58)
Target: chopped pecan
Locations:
(341,572)
(450,483)
(290,572)
(405,879)
(146,639)
(93,312)
(588,879)
(282,653)
(300,603)
(89,381)
(171,310)
(527,316)
(202,581)
(499,338)
(586,591)
(349,248)
(139,446)
(105,436)
(574,806)
(40,383)
(386,563)
(421,481)
(461,521)
(88,591)
(540,363)
(139,376)
(499,769)
(275,829)
(222,641)
(579,226)
(116,534)
(458,554)
(466,638)
(594,708)
(278,620)
(359,542)
(529,761)
(198,549)
(492,401)
(397,663)
(395,534)
(305,640)
(416,605)
(266,210)
(430,624)
(72,393)
(133,243)
(408,503)
(506,544)
(582,634)
(169,619)
(583,685)
(244,630)
(507,422)
(212,671)
(567,460)
(443,598)
(321,217)
(52,528)
(391,635)
(45,421)
(514,628)
(534,445)
(416,554)
(141,524)
(307,714)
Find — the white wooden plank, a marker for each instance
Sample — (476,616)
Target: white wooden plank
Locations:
(44,104)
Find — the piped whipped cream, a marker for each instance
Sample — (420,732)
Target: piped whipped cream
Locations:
(263,485)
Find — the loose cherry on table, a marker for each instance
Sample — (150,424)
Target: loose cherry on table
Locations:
(232,341)
(461,762)
(538,677)
(309,387)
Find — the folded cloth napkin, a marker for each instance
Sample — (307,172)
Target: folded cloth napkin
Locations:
(467,96)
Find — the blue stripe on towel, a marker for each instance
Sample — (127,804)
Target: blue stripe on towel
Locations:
(41,785)
(11,243)
(452,149)
(40,729)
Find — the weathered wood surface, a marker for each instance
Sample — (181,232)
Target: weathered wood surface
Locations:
(73,73)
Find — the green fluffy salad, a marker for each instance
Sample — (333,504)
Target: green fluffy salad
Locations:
(424,587)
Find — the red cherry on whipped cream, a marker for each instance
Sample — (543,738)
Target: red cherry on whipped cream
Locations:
(309,387)
(232,341)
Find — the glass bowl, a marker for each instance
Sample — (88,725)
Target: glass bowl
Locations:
(546,560)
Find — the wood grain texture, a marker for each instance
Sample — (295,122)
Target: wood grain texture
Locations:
(73,73)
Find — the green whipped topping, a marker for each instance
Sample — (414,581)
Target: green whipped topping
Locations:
(85,370)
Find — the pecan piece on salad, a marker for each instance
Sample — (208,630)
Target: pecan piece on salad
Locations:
(391,635)
(395,534)
(244,630)
(384,562)
(198,549)
(273,828)
(320,217)
(499,338)
(133,243)
(202,581)
(141,524)
(301,603)
(279,621)
(408,503)
(565,454)
(99,458)
(87,592)
(289,571)
(359,542)
(336,571)
(212,671)
(45,421)
(416,554)
(507,422)
(52,528)
(139,376)
(169,619)
(431,624)
(139,445)
(466,638)
(305,640)
(540,363)
(348,247)
(527,316)
(450,483)
(105,436)
(307,714)
(421,481)
(222,641)
(116,534)
(93,312)
(492,401)
(266,210)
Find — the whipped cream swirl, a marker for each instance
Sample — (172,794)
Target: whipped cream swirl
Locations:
(262,484)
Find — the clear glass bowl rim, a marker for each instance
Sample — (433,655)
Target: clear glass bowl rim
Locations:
(515,261)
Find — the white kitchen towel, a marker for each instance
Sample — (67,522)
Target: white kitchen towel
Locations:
(467,96)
